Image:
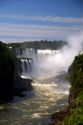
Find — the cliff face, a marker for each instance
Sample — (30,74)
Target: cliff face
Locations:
(20,84)
(76,76)
(73,115)
(7,69)
(11,83)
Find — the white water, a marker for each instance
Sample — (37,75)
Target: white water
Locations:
(48,96)
(49,93)
(40,64)
(26,67)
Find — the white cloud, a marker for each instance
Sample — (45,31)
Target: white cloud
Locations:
(35,32)
(45,18)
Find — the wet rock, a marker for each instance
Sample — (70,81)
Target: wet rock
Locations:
(20,84)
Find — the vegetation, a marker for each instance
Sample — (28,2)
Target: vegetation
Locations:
(40,44)
(11,84)
(6,73)
(73,115)
(76,75)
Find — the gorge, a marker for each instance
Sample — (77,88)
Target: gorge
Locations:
(48,69)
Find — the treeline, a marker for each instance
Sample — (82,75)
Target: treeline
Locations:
(40,44)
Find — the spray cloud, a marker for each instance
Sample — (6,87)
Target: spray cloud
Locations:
(54,64)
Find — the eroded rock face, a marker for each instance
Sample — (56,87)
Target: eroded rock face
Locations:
(21,84)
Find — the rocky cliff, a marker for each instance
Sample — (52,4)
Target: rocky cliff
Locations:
(11,83)
(73,115)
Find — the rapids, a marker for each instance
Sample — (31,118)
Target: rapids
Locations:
(48,96)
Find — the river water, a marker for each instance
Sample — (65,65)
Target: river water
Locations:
(47,97)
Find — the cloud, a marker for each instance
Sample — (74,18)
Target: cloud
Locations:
(45,18)
(11,31)
(35,32)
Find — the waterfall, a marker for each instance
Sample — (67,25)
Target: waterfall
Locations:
(36,63)
(26,67)
(33,62)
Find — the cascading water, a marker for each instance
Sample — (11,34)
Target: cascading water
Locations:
(27,61)
(26,56)
(49,93)
(31,61)
(50,87)
(26,67)
(34,62)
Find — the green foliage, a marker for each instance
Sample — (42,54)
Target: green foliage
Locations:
(6,58)
(76,74)
(43,44)
(14,45)
(76,71)
(75,116)
(79,100)
(7,68)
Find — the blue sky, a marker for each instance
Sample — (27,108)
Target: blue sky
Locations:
(24,20)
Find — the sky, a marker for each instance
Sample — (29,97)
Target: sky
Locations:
(29,20)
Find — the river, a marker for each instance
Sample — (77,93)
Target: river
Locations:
(48,96)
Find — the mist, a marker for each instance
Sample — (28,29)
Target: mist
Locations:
(53,64)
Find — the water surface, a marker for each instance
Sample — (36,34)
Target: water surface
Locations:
(48,96)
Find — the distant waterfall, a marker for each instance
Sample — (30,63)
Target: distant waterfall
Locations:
(26,67)
(35,63)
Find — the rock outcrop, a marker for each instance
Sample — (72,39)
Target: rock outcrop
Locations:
(7,69)
(11,83)
(73,115)
(21,84)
